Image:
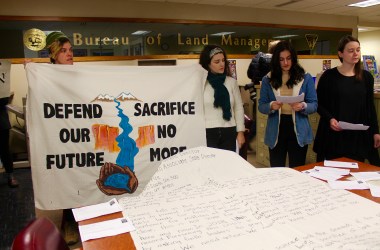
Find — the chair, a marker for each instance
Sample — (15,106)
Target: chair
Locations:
(39,234)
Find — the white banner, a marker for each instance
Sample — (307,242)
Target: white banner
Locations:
(100,131)
(5,73)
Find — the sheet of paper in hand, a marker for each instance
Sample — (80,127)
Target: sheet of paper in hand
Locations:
(291,99)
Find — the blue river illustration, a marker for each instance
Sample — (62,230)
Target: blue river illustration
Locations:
(128,151)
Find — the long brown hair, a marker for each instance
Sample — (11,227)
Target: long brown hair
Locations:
(296,72)
(358,66)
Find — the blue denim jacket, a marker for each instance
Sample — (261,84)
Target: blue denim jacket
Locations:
(300,119)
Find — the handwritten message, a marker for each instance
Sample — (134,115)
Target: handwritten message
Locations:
(212,199)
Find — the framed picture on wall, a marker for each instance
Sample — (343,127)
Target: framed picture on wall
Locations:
(232,65)
(370,65)
(326,64)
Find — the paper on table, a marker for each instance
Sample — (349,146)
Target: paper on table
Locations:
(374,187)
(366,176)
(290,99)
(205,198)
(337,171)
(349,185)
(340,164)
(322,175)
(352,126)
(97,210)
(105,228)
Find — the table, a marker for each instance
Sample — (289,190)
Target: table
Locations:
(125,242)
(118,242)
(363,167)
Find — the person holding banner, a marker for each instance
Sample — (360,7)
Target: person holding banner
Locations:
(223,105)
(288,131)
(345,93)
(61,52)
(60,48)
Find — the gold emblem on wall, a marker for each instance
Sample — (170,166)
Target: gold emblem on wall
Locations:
(311,40)
(35,39)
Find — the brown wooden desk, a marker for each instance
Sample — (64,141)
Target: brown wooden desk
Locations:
(117,242)
(363,167)
(125,242)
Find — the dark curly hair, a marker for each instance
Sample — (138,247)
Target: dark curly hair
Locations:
(296,72)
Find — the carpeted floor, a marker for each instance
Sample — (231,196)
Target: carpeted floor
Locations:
(16,206)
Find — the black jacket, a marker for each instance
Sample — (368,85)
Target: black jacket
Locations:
(4,118)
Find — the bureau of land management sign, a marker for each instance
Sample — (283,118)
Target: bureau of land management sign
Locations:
(101,131)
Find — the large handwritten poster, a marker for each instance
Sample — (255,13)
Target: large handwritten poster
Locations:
(100,131)
(206,198)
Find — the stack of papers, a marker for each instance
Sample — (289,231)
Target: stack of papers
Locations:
(340,164)
(85,213)
(332,171)
(348,185)
(374,187)
(327,173)
(366,176)
(105,228)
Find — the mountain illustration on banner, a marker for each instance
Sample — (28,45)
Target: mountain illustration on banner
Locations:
(121,97)
(119,177)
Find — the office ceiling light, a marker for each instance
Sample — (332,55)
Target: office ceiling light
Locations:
(364,4)
(284,36)
(141,32)
(222,33)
